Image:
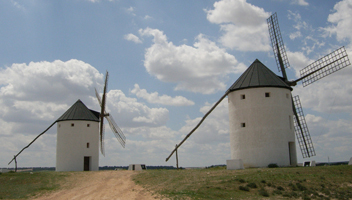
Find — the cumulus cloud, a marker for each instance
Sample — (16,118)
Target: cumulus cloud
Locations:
(300,24)
(341,21)
(243,24)
(43,90)
(128,112)
(300,2)
(133,38)
(130,10)
(163,100)
(199,68)
(330,137)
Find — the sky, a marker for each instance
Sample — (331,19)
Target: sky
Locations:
(169,62)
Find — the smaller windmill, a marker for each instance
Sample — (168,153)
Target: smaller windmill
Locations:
(103,114)
(79,132)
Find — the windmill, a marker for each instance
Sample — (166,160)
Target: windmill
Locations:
(79,135)
(259,129)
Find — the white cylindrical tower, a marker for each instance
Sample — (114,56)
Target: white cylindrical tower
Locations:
(77,147)
(261,119)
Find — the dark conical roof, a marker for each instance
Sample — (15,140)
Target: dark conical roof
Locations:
(258,75)
(79,111)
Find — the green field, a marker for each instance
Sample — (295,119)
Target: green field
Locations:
(24,185)
(326,182)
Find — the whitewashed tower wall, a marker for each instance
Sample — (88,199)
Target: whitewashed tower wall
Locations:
(76,140)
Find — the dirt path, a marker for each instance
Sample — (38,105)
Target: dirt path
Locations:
(100,185)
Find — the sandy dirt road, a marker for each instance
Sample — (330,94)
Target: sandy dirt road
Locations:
(100,185)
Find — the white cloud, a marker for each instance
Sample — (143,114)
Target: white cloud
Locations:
(133,38)
(300,2)
(199,68)
(43,90)
(147,17)
(341,21)
(244,25)
(163,100)
(300,24)
(331,138)
(17,5)
(130,10)
(128,112)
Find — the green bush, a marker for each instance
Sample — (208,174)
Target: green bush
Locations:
(301,187)
(264,193)
(244,188)
(241,180)
(252,185)
(280,188)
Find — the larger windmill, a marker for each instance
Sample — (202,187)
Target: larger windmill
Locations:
(262,109)
(79,135)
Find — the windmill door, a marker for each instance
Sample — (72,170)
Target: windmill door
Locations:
(86,163)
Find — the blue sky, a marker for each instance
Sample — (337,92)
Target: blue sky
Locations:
(168,61)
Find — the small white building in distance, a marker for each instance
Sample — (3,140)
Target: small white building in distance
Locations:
(77,147)
(137,167)
(261,119)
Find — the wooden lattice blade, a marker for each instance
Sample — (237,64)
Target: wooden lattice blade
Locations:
(116,130)
(98,97)
(277,44)
(325,66)
(301,130)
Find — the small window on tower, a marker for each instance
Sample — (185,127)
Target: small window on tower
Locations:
(267,94)
(72,124)
(243,96)
(59,125)
(287,96)
(243,125)
(88,125)
(87,144)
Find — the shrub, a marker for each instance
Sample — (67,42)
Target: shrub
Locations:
(241,180)
(273,165)
(293,187)
(301,187)
(252,185)
(244,188)
(280,188)
(263,192)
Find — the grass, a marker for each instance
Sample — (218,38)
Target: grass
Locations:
(328,182)
(24,185)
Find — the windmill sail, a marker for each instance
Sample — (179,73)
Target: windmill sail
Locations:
(325,66)
(117,131)
(301,130)
(278,44)
(103,114)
